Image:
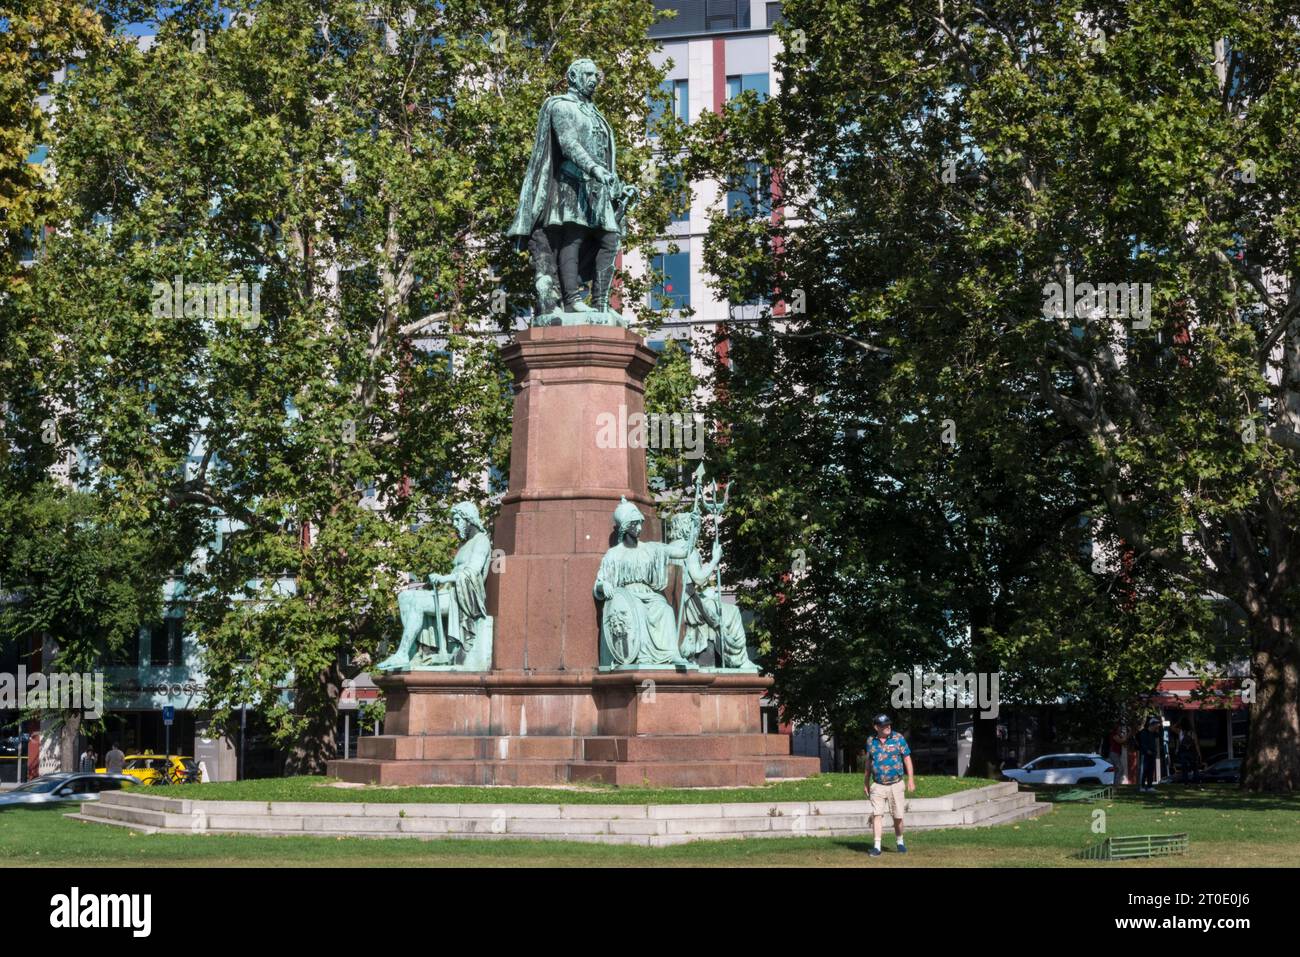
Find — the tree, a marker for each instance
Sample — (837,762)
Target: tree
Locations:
(354,170)
(949,512)
(38,39)
(670,391)
(78,583)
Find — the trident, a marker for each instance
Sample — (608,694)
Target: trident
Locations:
(708,494)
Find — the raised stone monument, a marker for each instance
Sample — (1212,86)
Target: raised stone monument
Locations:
(588,679)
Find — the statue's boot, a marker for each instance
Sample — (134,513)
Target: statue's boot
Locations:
(394,661)
(574,303)
(600,289)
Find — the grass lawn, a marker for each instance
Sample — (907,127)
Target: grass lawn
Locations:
(1227,829)
(824,787)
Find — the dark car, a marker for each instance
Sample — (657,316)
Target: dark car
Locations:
(1226,771)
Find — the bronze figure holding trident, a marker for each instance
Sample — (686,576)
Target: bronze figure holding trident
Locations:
(715,633)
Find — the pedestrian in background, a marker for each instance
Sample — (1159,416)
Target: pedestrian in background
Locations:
(115,759)
(1188,753)
(1149,740)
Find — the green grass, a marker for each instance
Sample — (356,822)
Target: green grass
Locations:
(824,787)
(1227,829)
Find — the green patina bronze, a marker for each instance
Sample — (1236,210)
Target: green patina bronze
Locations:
(445,626)
(714,630)
(573,206)
(638,626)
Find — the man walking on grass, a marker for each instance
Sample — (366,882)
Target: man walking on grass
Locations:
(888,757)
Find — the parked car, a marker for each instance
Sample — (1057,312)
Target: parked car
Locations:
(1226,771)
(1064,769)
(67,786)
(148,768)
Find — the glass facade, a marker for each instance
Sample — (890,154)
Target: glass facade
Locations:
(702,16)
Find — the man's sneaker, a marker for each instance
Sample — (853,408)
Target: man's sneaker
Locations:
(902,848)
(874,852)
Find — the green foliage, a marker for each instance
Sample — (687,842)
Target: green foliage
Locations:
(81,583)
(360,166)
(963,480)
(670,390)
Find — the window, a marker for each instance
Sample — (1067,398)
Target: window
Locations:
(682,212)
(128,654)
(751,195)
(659,345)
(165,642)
(747,83)
(701,16)
(674,291)
(774,14)
(726,15)
(676,97)
(682,100)
(27,246)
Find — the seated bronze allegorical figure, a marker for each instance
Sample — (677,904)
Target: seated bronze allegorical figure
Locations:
(572,206)
(637,625)
(446,625)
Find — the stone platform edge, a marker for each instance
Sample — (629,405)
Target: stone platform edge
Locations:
(646,824)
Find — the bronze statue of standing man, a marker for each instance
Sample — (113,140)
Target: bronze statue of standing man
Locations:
(572,205)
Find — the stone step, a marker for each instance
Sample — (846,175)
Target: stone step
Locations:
(791,766)
(646,824)
(589,748)
(95,819)
(1037,809)
(731,772)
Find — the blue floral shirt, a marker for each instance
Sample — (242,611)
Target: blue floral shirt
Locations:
(887,757)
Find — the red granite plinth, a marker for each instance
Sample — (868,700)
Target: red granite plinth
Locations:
(545,714)
(662,728)
(556,519)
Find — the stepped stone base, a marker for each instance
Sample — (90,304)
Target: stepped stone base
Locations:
(652,825)
(682,728)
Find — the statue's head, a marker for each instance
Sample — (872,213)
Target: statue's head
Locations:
(628,518)
(684,526)
(583,76)
(464,515)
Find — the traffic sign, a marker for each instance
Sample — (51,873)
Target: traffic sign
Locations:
(169,714)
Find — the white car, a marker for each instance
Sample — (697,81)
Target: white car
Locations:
(65,787)
(1064,769)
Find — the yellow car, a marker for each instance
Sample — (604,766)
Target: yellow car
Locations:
(148,769)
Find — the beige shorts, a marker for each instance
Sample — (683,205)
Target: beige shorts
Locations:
(887,797)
